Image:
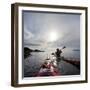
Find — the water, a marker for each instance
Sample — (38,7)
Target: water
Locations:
(33,63)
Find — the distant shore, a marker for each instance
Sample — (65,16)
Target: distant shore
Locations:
(27,51)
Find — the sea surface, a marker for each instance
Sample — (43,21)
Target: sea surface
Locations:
(33,63)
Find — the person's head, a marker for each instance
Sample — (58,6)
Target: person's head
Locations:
(57,49)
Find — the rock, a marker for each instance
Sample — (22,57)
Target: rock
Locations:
(27,52)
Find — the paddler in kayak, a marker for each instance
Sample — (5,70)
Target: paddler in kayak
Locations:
(57,54)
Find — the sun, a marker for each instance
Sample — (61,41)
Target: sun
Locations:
(53,36)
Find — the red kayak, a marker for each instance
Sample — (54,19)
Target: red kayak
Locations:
(48,69)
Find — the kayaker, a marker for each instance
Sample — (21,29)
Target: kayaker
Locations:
(58,54)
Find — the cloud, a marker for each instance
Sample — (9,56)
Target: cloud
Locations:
(37,27)
(32,44)
(27,34)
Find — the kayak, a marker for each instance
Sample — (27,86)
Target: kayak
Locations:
(49,68)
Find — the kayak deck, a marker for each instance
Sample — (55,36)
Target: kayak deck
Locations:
(49,68)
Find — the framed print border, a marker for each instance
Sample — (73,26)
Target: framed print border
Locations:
(15,35)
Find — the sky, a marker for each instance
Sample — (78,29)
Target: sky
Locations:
(45,30)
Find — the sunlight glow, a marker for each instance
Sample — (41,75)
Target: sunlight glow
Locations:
(53,36)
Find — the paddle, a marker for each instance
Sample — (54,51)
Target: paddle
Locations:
(63,47)
(60,49)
